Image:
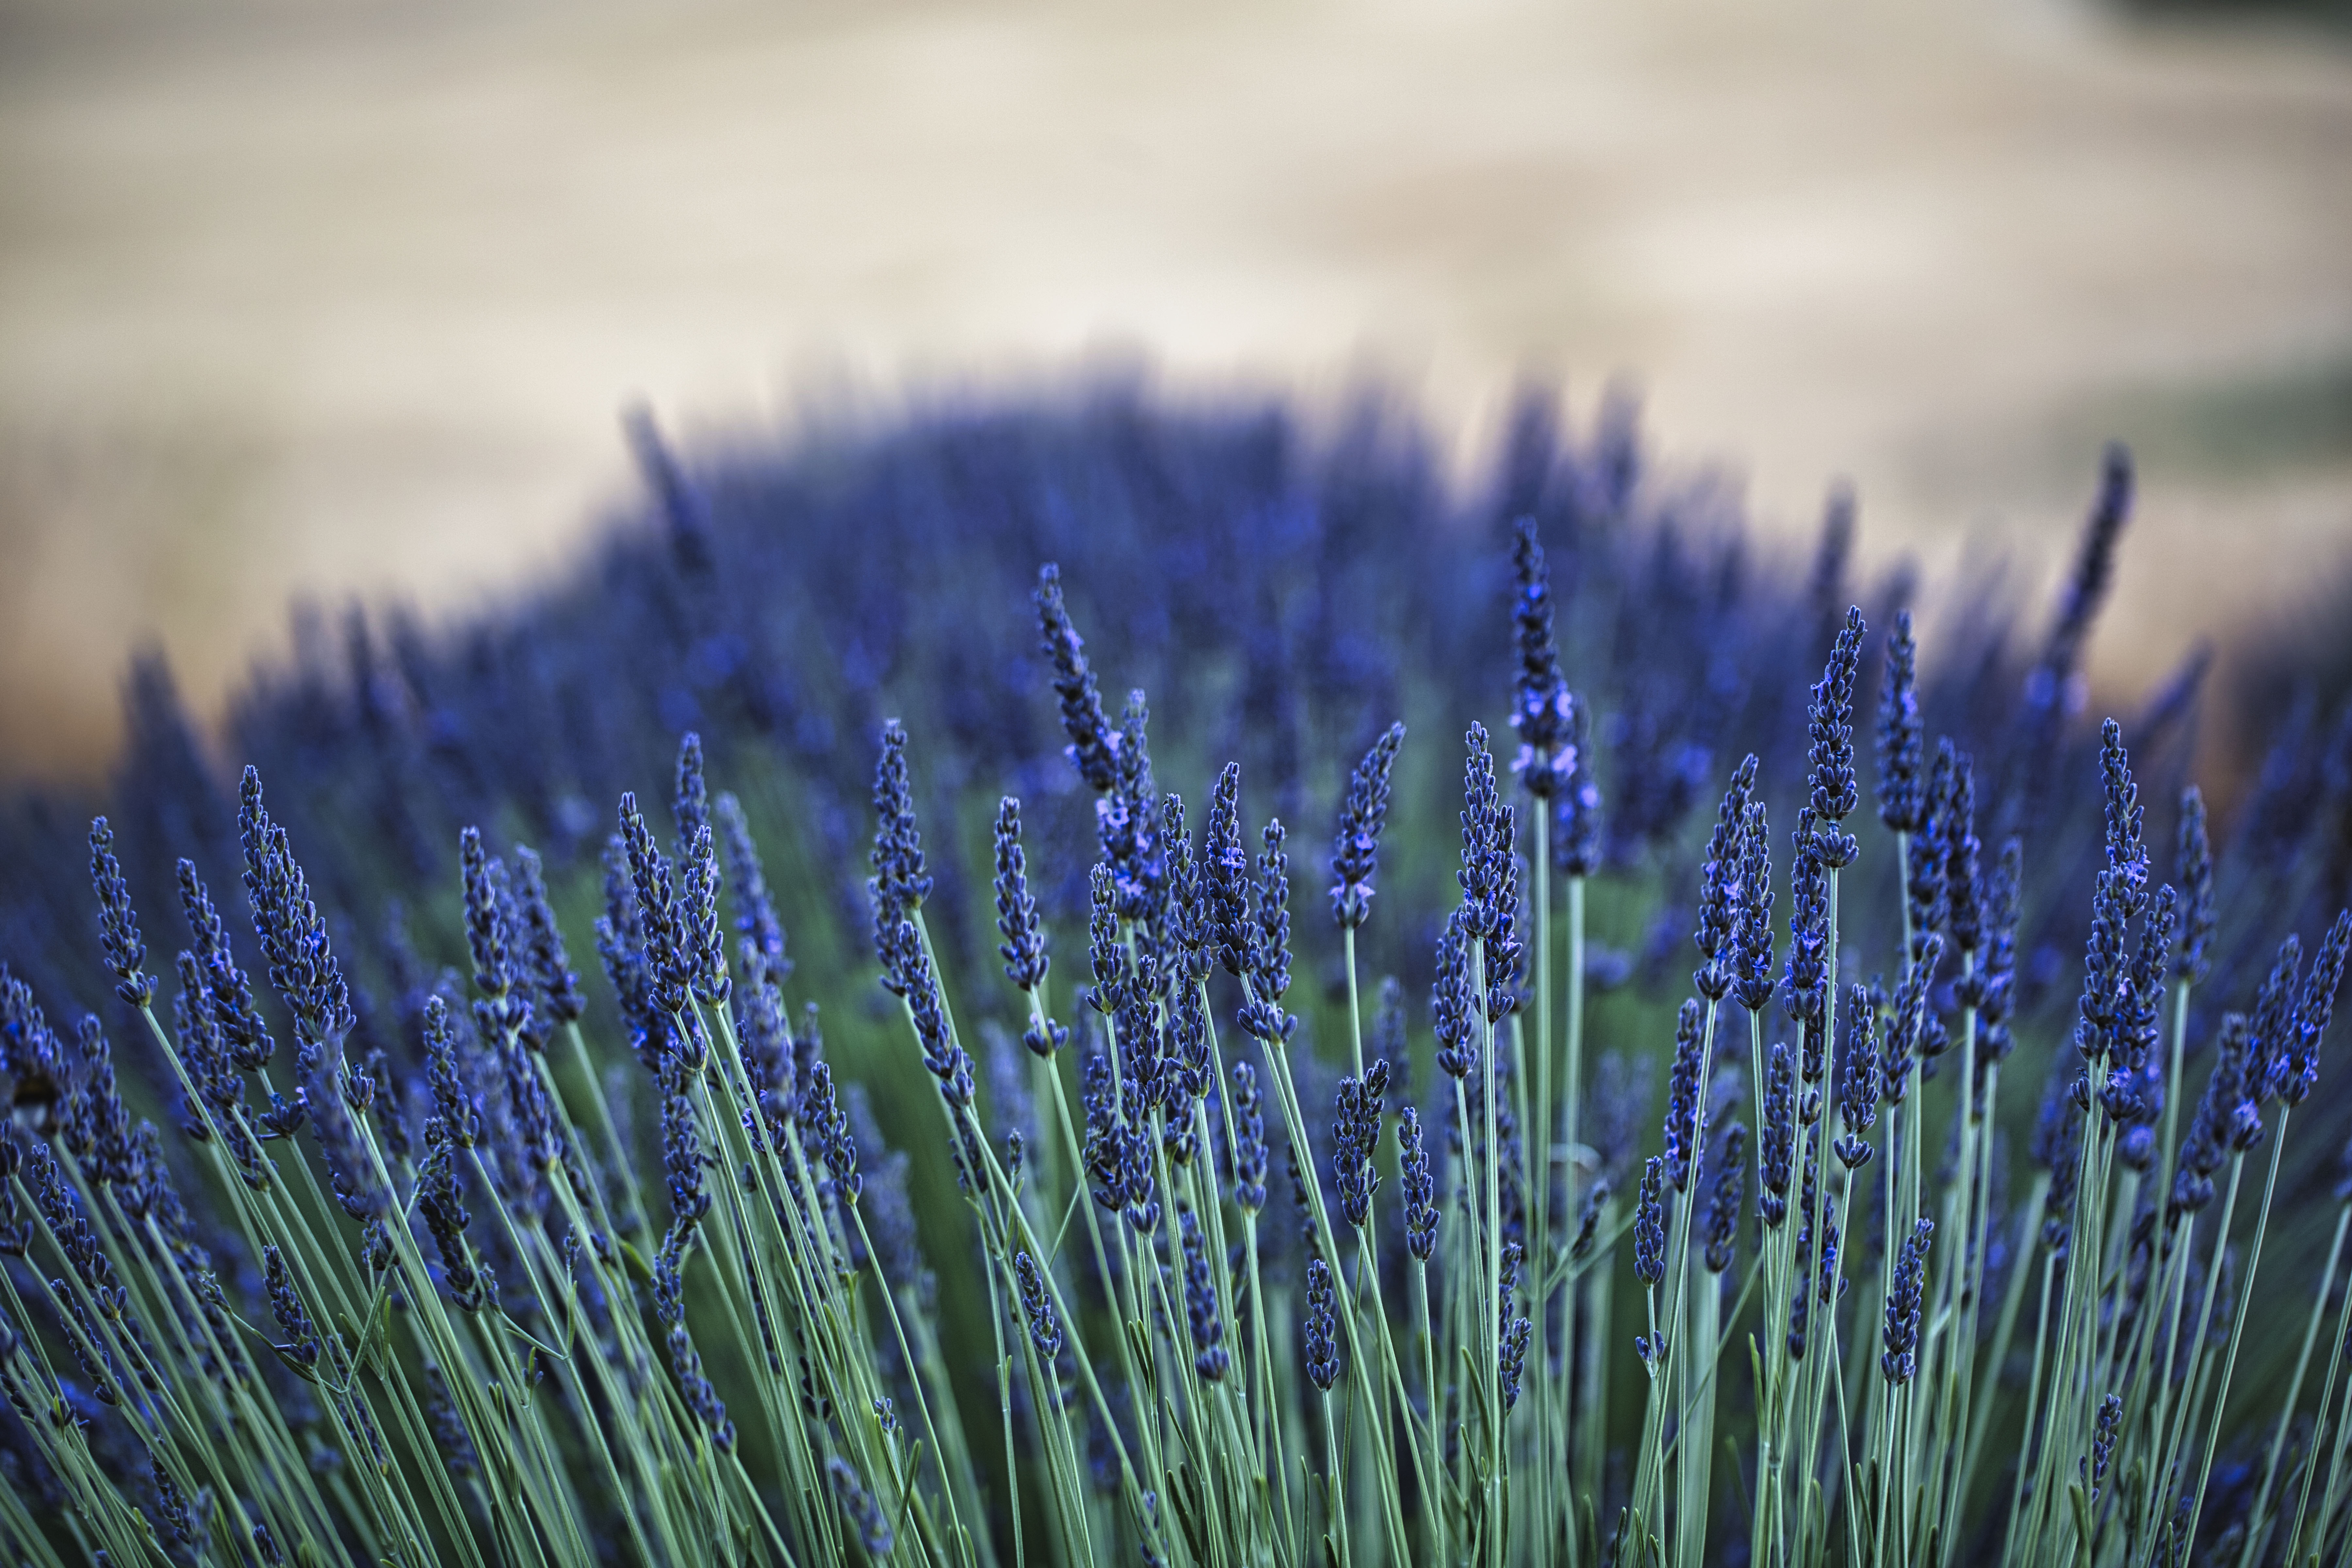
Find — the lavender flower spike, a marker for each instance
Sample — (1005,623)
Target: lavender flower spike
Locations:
(1836,792)
(1650,1226)
(1544,713)
(1356,851)
(1094,746)
(1900,732)
(1904,1305)
(1024,948)
(1322,1326)
(118,922)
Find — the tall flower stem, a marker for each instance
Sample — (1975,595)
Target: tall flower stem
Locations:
(2238,1337)
(2257,1524)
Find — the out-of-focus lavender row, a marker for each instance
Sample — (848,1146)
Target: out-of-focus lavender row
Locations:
(782,600)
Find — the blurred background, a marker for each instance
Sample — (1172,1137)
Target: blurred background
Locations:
(335,299)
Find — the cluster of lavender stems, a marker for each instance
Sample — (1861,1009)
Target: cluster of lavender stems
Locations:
(426,1296)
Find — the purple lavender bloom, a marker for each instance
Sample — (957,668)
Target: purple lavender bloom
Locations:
(1420,1187)
(1249,1141)
(1964,913)
(2086,589)
(1322,1326)
(1269,945)
(690,798)
(899,884)
(1513,1357)
(1834,791)
(1544,713)
(1990,988)
(2193,873)
(1779,1146)
(486,928)
(1451,1006)
(1105,1136)
(1270,952)
(654,905)
(1725,1202)
(702,940)
(1356,851)
(1684,1113)
(302,1346)
(1858,1081)
(2316,1008)
(2121,894)
(858,1507)
(1721,893)
(1044,1325)
(2103,1443)
(1925,894)
(302,967)
(669,1306)
(1752,980)
(1900,732)
(1107,951)
(1807,973)
(942,1054)
(118,922)
(219,1089)
(1650,1224)
(1126,822)
(682,1156)
(557,986)
(452,1102)
(767,1040)
(1225,873)
(1182,919)
(1210,1357)
(94,1123)
(350,1165)
(243,1037)
(2270,1040)
(828,1128)
(1912,1028)
(756,921)
(1355,1137)
(1024,949)
(1905,1303)
(1093,748)
(1479,876)
(1142,1208)
(2206,1145)
(1502,952)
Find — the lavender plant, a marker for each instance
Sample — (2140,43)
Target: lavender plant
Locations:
(505,1269)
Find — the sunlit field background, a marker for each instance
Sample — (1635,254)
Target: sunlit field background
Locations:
(343,299)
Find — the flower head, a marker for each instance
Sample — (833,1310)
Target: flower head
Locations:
(1905,1303)
(1900,732)
(1356,852)
(1724,1203)
(1094,747)
(2193,873)
(1544,713)
(1650,1226)
(118,922)
(1322,1326)
(1835,791)
(1420,1187)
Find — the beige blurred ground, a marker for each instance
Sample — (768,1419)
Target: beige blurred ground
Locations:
(345,300)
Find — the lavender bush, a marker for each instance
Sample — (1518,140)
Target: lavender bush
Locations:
(1209,1242)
